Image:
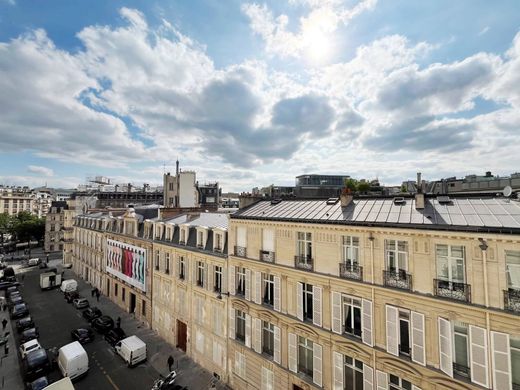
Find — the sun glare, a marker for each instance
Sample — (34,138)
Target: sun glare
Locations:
(318,46)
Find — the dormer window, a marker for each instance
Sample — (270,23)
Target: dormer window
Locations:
(200,239)
(218,241)
(182,239)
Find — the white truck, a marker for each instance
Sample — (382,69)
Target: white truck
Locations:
(69,285)
(62,384)
(132,350)
(49,280)
(73,360)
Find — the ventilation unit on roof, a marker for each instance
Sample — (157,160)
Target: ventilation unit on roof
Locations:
(275,201)
(332,200)
(399,200)
(443,199)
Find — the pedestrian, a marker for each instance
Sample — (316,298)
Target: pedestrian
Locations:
(6,349)
(23,277)
(170,363)
(4,307)
(118,322)
(92,292)
(4,324)
(97,295)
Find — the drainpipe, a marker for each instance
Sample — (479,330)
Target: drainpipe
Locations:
(371,239)
(483,247)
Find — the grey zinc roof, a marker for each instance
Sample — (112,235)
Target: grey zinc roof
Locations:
(473,214)
(209,220)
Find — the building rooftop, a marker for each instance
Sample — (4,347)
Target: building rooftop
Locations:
(467,214)
(209,220)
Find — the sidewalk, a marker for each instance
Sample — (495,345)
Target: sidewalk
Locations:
(10,377)
(189,373)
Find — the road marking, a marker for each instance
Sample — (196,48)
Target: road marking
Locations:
(112,382)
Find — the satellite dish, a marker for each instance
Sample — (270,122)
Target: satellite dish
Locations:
(507,191)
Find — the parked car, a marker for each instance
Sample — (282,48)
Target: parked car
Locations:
(71,295)
(13,294)
(80,303)
(103,324)
(33,262)
(43,264)
(35,365)
(10,289)
(16,300)
(83,335)
(24,323)
(165,383)
(29,346)
(38,384)
(19,311)
(91,313)
(29,334)
(114,335)
(132,350)
(4,285)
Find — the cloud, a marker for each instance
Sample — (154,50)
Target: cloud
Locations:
(43,171)
(483,31)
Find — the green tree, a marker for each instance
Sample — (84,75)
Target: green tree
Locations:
(5,225)
(26,227)
(403,188)
(363,186)
(351,184)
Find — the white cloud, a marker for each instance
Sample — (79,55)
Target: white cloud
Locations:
(43,171)
(483,31)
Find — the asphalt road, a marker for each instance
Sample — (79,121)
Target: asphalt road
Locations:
(55,318)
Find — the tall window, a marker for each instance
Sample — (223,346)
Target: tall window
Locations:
(240,329)
(182,267)
(350,251)
(461,346)
(182,238)
(157,260)
(218,242)
(307,301)
(397,383)
(515,361)
(396,256)
(513,269)
(353,374)
(218,278)
(200,273)
(404,332)
(200,239)
(241,281)
(267,338)
(304,247)
(167,263)
(305,354)
(450,263)
(352,314)
(268,289)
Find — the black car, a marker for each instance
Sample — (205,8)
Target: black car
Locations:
(38,384)
(92,313)
(83,335)
(17,300)
(10,289)
(70,296)
(35,365)
(24,323)
(103,324)
(19,311)
(28,335)
(114,335)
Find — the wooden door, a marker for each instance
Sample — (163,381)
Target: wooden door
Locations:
(182,333)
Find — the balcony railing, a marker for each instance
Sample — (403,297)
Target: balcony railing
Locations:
(267,256)
(350,271)
(240,251)
(397,279)
(304,262)
(461,370)
(452,290)
(512,300)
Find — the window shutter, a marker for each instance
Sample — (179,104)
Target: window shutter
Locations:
(241,236)
(277,297)
(316,305)
(299,301)
(317,369)
(248,284)
(418,339)
(268,240)
(257,335)
(231,323)
(336,312)
(338,371)
(445,347)
(292,352)
(415,387)
(209,269)
(231,280)
(392,330)
(368,377)
(248,331)
(277,346)
(267,379)
(382,380)
(501,361)
(478,355)
(258,288)
(224,281)
(366,321)
(187,270)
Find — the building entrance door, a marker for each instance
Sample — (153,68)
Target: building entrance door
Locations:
(296,387)
(132,303)
(108,288)
(182,332)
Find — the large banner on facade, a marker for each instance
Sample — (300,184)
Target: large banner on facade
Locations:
(127,262)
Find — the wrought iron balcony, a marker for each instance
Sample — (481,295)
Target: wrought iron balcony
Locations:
(452,290)
(461,370)
(397,279)
(240,251)
(267,256)
(350,271)
(512,300)
(304,262)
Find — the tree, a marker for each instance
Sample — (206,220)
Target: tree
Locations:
(363,186)
(351,184)
(5,225)
(403,188)
(26,227)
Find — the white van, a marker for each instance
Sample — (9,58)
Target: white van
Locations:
(73,360)
(33,262)
(132,350)
(62,384)
(69,285)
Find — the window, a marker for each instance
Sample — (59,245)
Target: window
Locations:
(350,251)
(450,263)
(218,242)
(461,349)
(513,269)
(305,354)
(200,239)
(115,290)
(157,260)
(240,330)
(240,364)
(268,298)
(241,281)
(167,263)
(123,294)
(143,307)
(307,301)
(397,383)
(352,315)
(182,267)
(352,374)
(182,239)
(404,332)
(396,256)
(304,247)
(218,278)
(515,361)
(171,189)
(268,338)
(200,273)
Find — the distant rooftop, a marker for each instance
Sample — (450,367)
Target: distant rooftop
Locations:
(209,220)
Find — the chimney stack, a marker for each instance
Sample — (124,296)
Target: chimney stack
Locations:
(419,182)
(419,195)
(346,197)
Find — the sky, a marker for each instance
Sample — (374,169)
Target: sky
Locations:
(255,93)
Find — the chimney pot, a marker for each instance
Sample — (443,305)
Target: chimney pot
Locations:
(346,197)
(419,201)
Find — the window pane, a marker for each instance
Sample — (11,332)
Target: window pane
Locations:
(349,378)
(457,251)
(442,250)
(515,365)
(442,268)
(461,350)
